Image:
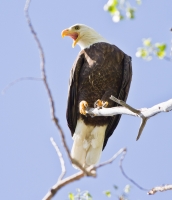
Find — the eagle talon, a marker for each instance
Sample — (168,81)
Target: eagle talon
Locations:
(104,104)
(83,107)
(100,104)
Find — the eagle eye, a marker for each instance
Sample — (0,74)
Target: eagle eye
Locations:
(77,27)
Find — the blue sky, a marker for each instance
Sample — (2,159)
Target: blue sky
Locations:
(29,165)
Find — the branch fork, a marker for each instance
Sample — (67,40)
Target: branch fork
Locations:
(143,113)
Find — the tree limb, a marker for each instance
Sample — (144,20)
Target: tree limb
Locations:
(121,151)
(93,173)
(160,189)
(62,183)
(44,77)
(143,113)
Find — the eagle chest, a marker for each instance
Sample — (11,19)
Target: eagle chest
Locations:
(95,79)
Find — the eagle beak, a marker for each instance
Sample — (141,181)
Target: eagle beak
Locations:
(64,33)
(73,35)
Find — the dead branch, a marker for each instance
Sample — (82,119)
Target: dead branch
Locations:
(18,80)
(44,77)
(62,163)
(160,189)
(79,175)
(143,113)
(62,183)
(93,173)
(125,175)
(121,151)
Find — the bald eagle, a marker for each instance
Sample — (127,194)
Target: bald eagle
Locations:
(100,70)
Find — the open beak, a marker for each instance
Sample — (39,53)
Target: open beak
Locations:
(73,35)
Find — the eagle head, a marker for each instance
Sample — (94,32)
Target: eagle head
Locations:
(82,35)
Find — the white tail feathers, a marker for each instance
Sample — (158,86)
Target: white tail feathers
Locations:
(88,143)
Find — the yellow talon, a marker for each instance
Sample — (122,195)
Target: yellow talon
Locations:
(100,104)
(104,104)
(82,107)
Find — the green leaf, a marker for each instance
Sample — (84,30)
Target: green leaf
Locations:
(112,9)
(147,42)
(107,193)
(87,194)
(130,13)
(161,50)
(160,54)
(161,47)
(71,196)
(142,53)
(114,2)
(111,6)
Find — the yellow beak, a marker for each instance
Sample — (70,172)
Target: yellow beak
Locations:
(64,33)
(72,34)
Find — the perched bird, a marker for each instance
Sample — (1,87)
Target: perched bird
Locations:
(100,70)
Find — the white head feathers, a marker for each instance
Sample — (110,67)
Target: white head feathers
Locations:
(83,35)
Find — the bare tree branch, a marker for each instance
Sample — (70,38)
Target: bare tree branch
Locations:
(121,151)
(124,104)
(92,169)
(143,113)
(62,163)
(122,170)
(44,77)
(160,189)
(62,183)
(18,80)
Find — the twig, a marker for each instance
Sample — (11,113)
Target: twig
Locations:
(122,103)
(60,158)
(62,183)
(123,150)
(160,189)
(92,169)
(18,80)
(44,77)
(122,170)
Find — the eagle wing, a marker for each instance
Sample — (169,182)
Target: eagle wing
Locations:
(71,112)
(123,94)
(97,52)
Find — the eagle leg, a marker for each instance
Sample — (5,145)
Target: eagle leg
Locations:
(100,104)
(94,152)
(81,142)
(82,107)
